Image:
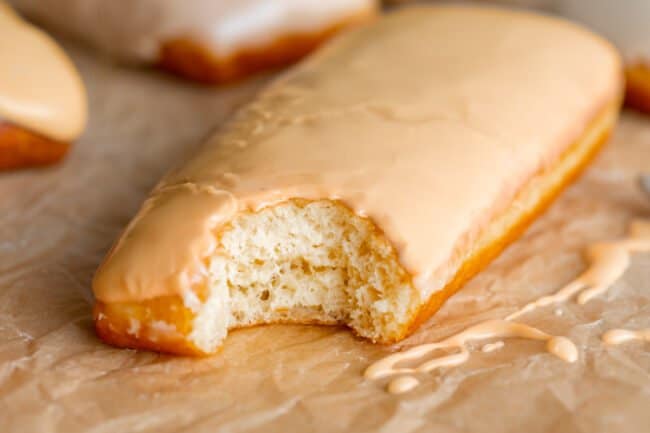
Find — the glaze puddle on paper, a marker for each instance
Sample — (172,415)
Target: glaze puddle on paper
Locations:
(607,263)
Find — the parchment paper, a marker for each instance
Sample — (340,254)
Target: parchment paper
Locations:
(56,376)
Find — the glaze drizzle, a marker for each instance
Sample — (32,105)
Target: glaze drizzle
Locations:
(619,336)
(607,262)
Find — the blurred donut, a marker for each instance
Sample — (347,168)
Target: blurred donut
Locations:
(204,40)
(42,98)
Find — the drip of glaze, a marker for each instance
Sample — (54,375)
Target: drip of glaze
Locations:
(563,348)
(608,261)
(559,346)
(402,384)
(491,347)
(619,336)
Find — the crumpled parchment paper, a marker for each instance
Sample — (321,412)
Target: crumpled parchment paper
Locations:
(56,376)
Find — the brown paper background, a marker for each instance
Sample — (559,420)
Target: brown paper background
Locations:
(56,376)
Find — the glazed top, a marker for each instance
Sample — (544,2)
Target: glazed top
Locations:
(136,29)
(40,88)
(428,122)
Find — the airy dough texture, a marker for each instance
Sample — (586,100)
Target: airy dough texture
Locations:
(306,262)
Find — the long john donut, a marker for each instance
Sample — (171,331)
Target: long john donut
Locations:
(365,186)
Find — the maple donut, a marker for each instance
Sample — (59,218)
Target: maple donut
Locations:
(367,184)
(42,98)
(626,24)
(204,40)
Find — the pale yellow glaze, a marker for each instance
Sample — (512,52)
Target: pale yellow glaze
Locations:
(619,336)
(491,347)
(402,384)
(563,348)
(40,88)
(559,346)
(608,261)
(428,139)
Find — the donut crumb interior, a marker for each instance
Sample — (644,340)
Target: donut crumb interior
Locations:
(305,262)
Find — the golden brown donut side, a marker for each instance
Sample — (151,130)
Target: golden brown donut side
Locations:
(113,321)
(637,92)
(190,59)
(20,148)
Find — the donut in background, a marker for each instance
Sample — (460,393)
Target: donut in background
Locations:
(42,97)
(204,40)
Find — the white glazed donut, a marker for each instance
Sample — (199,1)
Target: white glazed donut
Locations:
(206,40)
